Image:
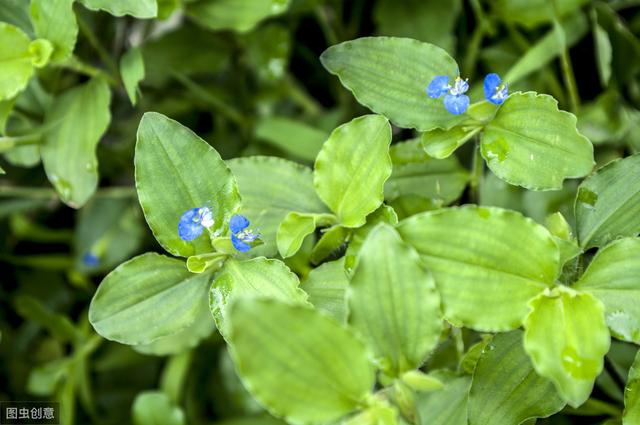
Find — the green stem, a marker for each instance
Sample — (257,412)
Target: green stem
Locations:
(323,19)
(76,65)
(565,62)
(477,169)
(301,97)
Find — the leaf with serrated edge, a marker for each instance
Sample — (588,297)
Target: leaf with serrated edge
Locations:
(393,302)
(352,167)
(608,203)
(533,144)
(613,276)
(175,171)
(567,338)
(389,75)
(146,298)
(299,363)
(259,277)
(476,255)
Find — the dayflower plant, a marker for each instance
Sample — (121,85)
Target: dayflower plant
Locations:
(193,222)
(455,99)
(495,91)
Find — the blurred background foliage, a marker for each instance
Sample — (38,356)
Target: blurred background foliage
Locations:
(246,77)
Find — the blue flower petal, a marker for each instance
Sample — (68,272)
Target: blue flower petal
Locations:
(239,245)
(238,223)
(189,226)
(438,86)
(491,89)
(456,104)
(90,259)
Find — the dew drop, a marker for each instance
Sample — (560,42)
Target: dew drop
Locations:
(578,367)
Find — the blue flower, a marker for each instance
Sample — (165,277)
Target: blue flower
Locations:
(193,222)
(494,90)
(90,259)
(241,237)
(455,101)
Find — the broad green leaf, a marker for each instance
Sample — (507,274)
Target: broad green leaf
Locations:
(532,13)
(441,144)
(631,414)
(393,302)
(56,22)
(533,144)
(78,119)
(142,9)
(483,272)
(150,289)
(384,214)
(327,285)
(567,338)
(271,188)
(18,56)
(292,137)
(447,406)
(352,167)
(439,180)
(175,171)
(389,75)
(423,20)
(256,278)
(608,203)
(547,48)
(613,276)
(186,338)
(156,408)
(132,71)
(505,387)
(238,15)
(295,227)
(310,369)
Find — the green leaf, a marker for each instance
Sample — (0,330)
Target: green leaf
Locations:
(238,15)
(393,302)
(631,414)
(34,311)
(56,22)
(567,338)
(271,188)
(441,144)
(331,242)
(77,120)
(145,298)
(186,338)
(505,387)
(532,13)
(295,227)
(608,203)
(613,276)
(327,285)
(484,275)
(439,180)
(352,167)
(176,170)
(156,408)
(258,277)
(292,137)
(18,56)
(132,71)
(531,143)
(447,406)
(202,262)
(142,9)
(389,75)
(310,370)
